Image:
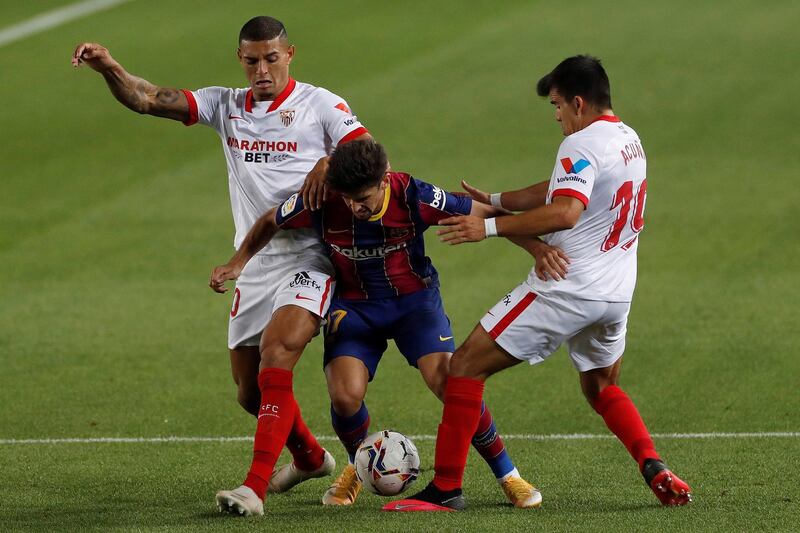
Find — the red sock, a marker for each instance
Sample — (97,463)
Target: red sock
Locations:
(275,418)
(306,452)
(462,410)
(623,419)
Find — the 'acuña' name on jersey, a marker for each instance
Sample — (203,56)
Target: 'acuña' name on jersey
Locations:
(258,151)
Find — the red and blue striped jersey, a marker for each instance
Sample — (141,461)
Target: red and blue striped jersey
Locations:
(384,256)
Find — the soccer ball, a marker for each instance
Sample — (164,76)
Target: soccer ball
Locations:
(386,463)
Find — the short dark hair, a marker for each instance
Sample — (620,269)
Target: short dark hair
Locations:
(581,75)
(356,165)
(262,28)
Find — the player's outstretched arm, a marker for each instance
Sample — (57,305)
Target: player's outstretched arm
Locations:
(519,200)
(562,214)
(133,92)
(486,211)
(258,237)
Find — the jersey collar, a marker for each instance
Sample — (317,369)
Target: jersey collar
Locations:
(379,214)
(606,118)
(248,98)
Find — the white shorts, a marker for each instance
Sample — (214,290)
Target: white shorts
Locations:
(269,282)
(532,326)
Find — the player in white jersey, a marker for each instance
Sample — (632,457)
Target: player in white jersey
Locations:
(274,134)
(592,211)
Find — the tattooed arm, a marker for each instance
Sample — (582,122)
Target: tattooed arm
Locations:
(133,92)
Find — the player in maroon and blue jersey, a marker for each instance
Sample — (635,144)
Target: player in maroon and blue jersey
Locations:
(386,288)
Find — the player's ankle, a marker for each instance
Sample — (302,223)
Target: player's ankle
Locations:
(311,461)
(257,485)
(506,477)
(445,486)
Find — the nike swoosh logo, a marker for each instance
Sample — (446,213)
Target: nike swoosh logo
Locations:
(338,230)
(445,338)
(234,117)
(406,506)
(298,297)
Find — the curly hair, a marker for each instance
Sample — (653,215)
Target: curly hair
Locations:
(356,165)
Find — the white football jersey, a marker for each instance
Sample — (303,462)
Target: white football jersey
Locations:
(271,146)
(604,166)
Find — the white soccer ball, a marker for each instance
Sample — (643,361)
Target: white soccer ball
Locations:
(386,463)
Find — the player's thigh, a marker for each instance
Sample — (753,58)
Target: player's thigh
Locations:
(433,367)
(301,298)
(351,332)
(288,332)
(601,343)
(479,357)
(421,326)
(347,378)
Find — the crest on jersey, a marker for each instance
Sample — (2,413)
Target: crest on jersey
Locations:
(397,233)
(287,116)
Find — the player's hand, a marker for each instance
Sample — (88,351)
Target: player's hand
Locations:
(221,274)
(551,262)
(465,228)
(476,194)
(94,55)
(315,189)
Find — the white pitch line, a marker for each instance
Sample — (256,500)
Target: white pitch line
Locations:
(54,18)
(539,437)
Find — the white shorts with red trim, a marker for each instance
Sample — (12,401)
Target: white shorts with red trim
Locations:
(532,326)
(269,282)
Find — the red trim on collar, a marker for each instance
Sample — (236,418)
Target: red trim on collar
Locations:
(607,118)
(248,98)
(283,96)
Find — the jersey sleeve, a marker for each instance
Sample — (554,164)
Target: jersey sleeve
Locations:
(338,121)
(292,214)
(204,105)
(435,204)
(574,172)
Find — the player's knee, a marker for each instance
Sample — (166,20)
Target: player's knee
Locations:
(463,365)
(282,352)
(594,382)
(346,402)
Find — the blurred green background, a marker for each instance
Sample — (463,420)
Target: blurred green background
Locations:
(110,224)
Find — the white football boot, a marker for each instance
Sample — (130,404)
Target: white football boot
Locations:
(289,475)
(240,501)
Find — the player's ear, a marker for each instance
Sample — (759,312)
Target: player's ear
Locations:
(239,54)
(580,104)
(290,53)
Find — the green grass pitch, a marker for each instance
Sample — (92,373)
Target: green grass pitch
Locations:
(110,224)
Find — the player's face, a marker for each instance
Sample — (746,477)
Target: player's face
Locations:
(566,113)
(266,65)
(367,202)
